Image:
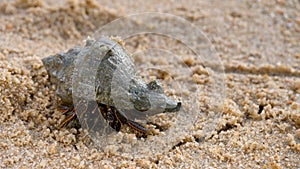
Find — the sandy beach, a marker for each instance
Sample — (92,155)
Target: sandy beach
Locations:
(241,98)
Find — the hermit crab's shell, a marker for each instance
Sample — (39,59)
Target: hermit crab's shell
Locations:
(104,72)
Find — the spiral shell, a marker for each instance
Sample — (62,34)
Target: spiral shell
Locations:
(116,83)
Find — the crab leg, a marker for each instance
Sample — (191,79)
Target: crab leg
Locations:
(68,118)
(109,113)
(134,125)
(137,126)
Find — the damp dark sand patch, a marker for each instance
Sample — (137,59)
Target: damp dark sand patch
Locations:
(260,122)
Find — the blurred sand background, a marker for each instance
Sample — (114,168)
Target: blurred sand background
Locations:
(257,41)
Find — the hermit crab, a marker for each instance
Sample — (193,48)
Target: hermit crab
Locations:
(120,93)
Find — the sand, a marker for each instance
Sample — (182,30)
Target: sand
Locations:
(258,116)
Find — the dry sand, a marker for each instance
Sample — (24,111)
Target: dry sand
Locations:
(257,41)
